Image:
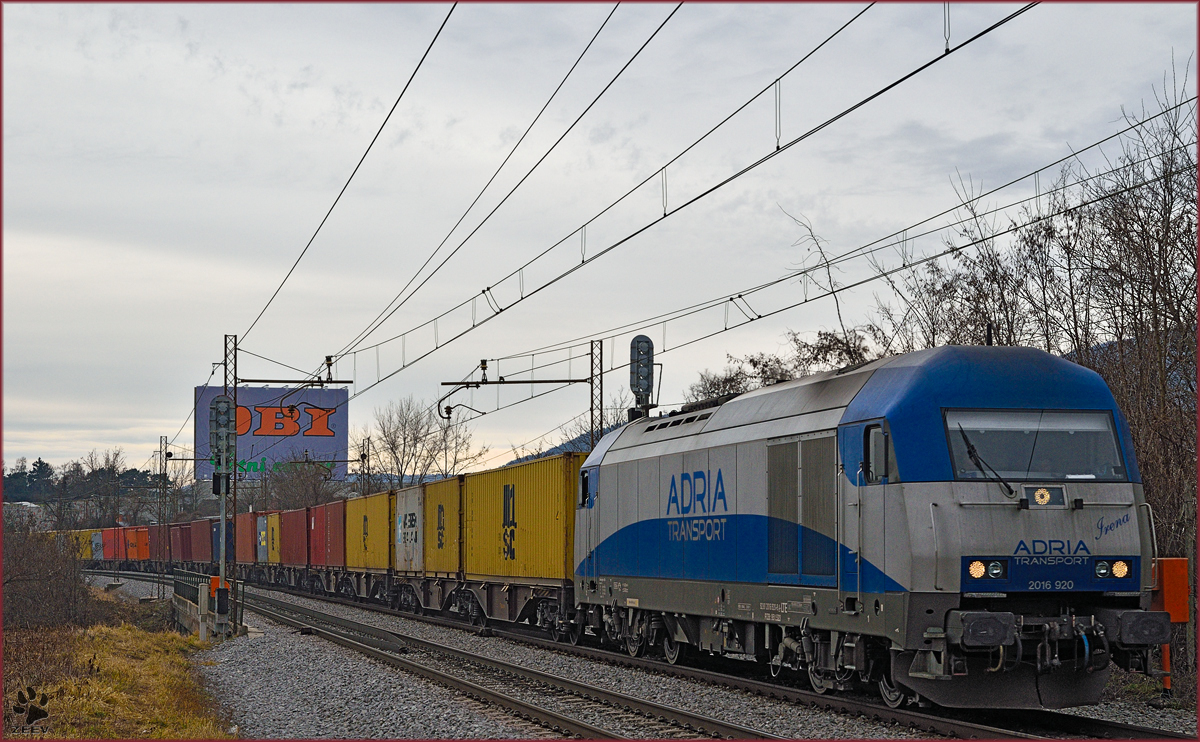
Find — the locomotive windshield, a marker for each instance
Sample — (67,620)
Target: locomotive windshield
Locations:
(1035,444)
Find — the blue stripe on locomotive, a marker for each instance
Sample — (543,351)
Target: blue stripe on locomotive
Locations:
(1052,574)
(648,549)
(912,390)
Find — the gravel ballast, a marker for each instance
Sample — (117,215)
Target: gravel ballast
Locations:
(1140,714)
(777,717)
(283,673)
(279,684)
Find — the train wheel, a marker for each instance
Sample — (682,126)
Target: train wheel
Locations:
(635,646)
(478,617)
(892,696)
(575,634)
(674,651)
(818,681)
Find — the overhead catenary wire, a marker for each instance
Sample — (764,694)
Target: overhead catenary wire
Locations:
(868,249)
(613,332)
(372,324)
(352,174)
(564,274)
(834,291)
(386,314)
(892,271)
(270,360)
(487,293)
(659,172)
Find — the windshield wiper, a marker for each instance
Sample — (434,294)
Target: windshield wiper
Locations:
(980,463)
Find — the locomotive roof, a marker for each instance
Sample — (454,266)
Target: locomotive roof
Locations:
(909,390)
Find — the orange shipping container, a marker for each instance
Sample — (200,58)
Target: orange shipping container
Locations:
(114,544)
(143,543)
(244,527)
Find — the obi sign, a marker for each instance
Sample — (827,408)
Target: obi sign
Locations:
(279,427)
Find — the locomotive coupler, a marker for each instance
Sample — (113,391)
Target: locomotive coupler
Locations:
(1095,646)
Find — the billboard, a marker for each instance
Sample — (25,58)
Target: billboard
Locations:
(278,427)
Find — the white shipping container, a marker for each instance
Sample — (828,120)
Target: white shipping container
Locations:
(410,521)
(97,546)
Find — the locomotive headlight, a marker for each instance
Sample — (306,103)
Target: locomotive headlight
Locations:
(1102,569)
(995,570)
(976,569)
(1120,569)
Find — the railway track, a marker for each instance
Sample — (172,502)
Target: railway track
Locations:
(509,685)
(964,724)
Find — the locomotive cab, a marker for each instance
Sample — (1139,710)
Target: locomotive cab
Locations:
(1029,545)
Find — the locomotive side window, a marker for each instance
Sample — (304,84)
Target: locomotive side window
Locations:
(879,457)
(876,455)
(583,489)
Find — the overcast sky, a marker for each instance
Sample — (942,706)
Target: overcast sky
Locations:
(164,165)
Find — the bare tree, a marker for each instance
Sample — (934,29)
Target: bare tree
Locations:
(301,484)
(400,442)
(43,582)
(451,449)
(411,444)
(575,435)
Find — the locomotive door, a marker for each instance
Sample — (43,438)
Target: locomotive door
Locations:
(876,479)
(589,480)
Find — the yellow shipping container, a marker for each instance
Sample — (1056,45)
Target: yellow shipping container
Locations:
(442,546)
(82,542)
(273,538)
(370,538)
(519,521)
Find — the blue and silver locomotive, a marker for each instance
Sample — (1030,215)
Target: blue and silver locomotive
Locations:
(963,525)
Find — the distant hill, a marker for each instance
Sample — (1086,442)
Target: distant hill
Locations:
(578,444)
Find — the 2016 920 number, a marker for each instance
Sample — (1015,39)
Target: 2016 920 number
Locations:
(1049,585)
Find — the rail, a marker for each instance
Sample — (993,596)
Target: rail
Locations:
(385,652)
(685,719)
(950,722)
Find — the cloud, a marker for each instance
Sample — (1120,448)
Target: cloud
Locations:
(165,165)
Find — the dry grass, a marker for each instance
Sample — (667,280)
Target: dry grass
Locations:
(112,682)
(1132,686)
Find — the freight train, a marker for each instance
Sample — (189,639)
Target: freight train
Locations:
(963,526)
